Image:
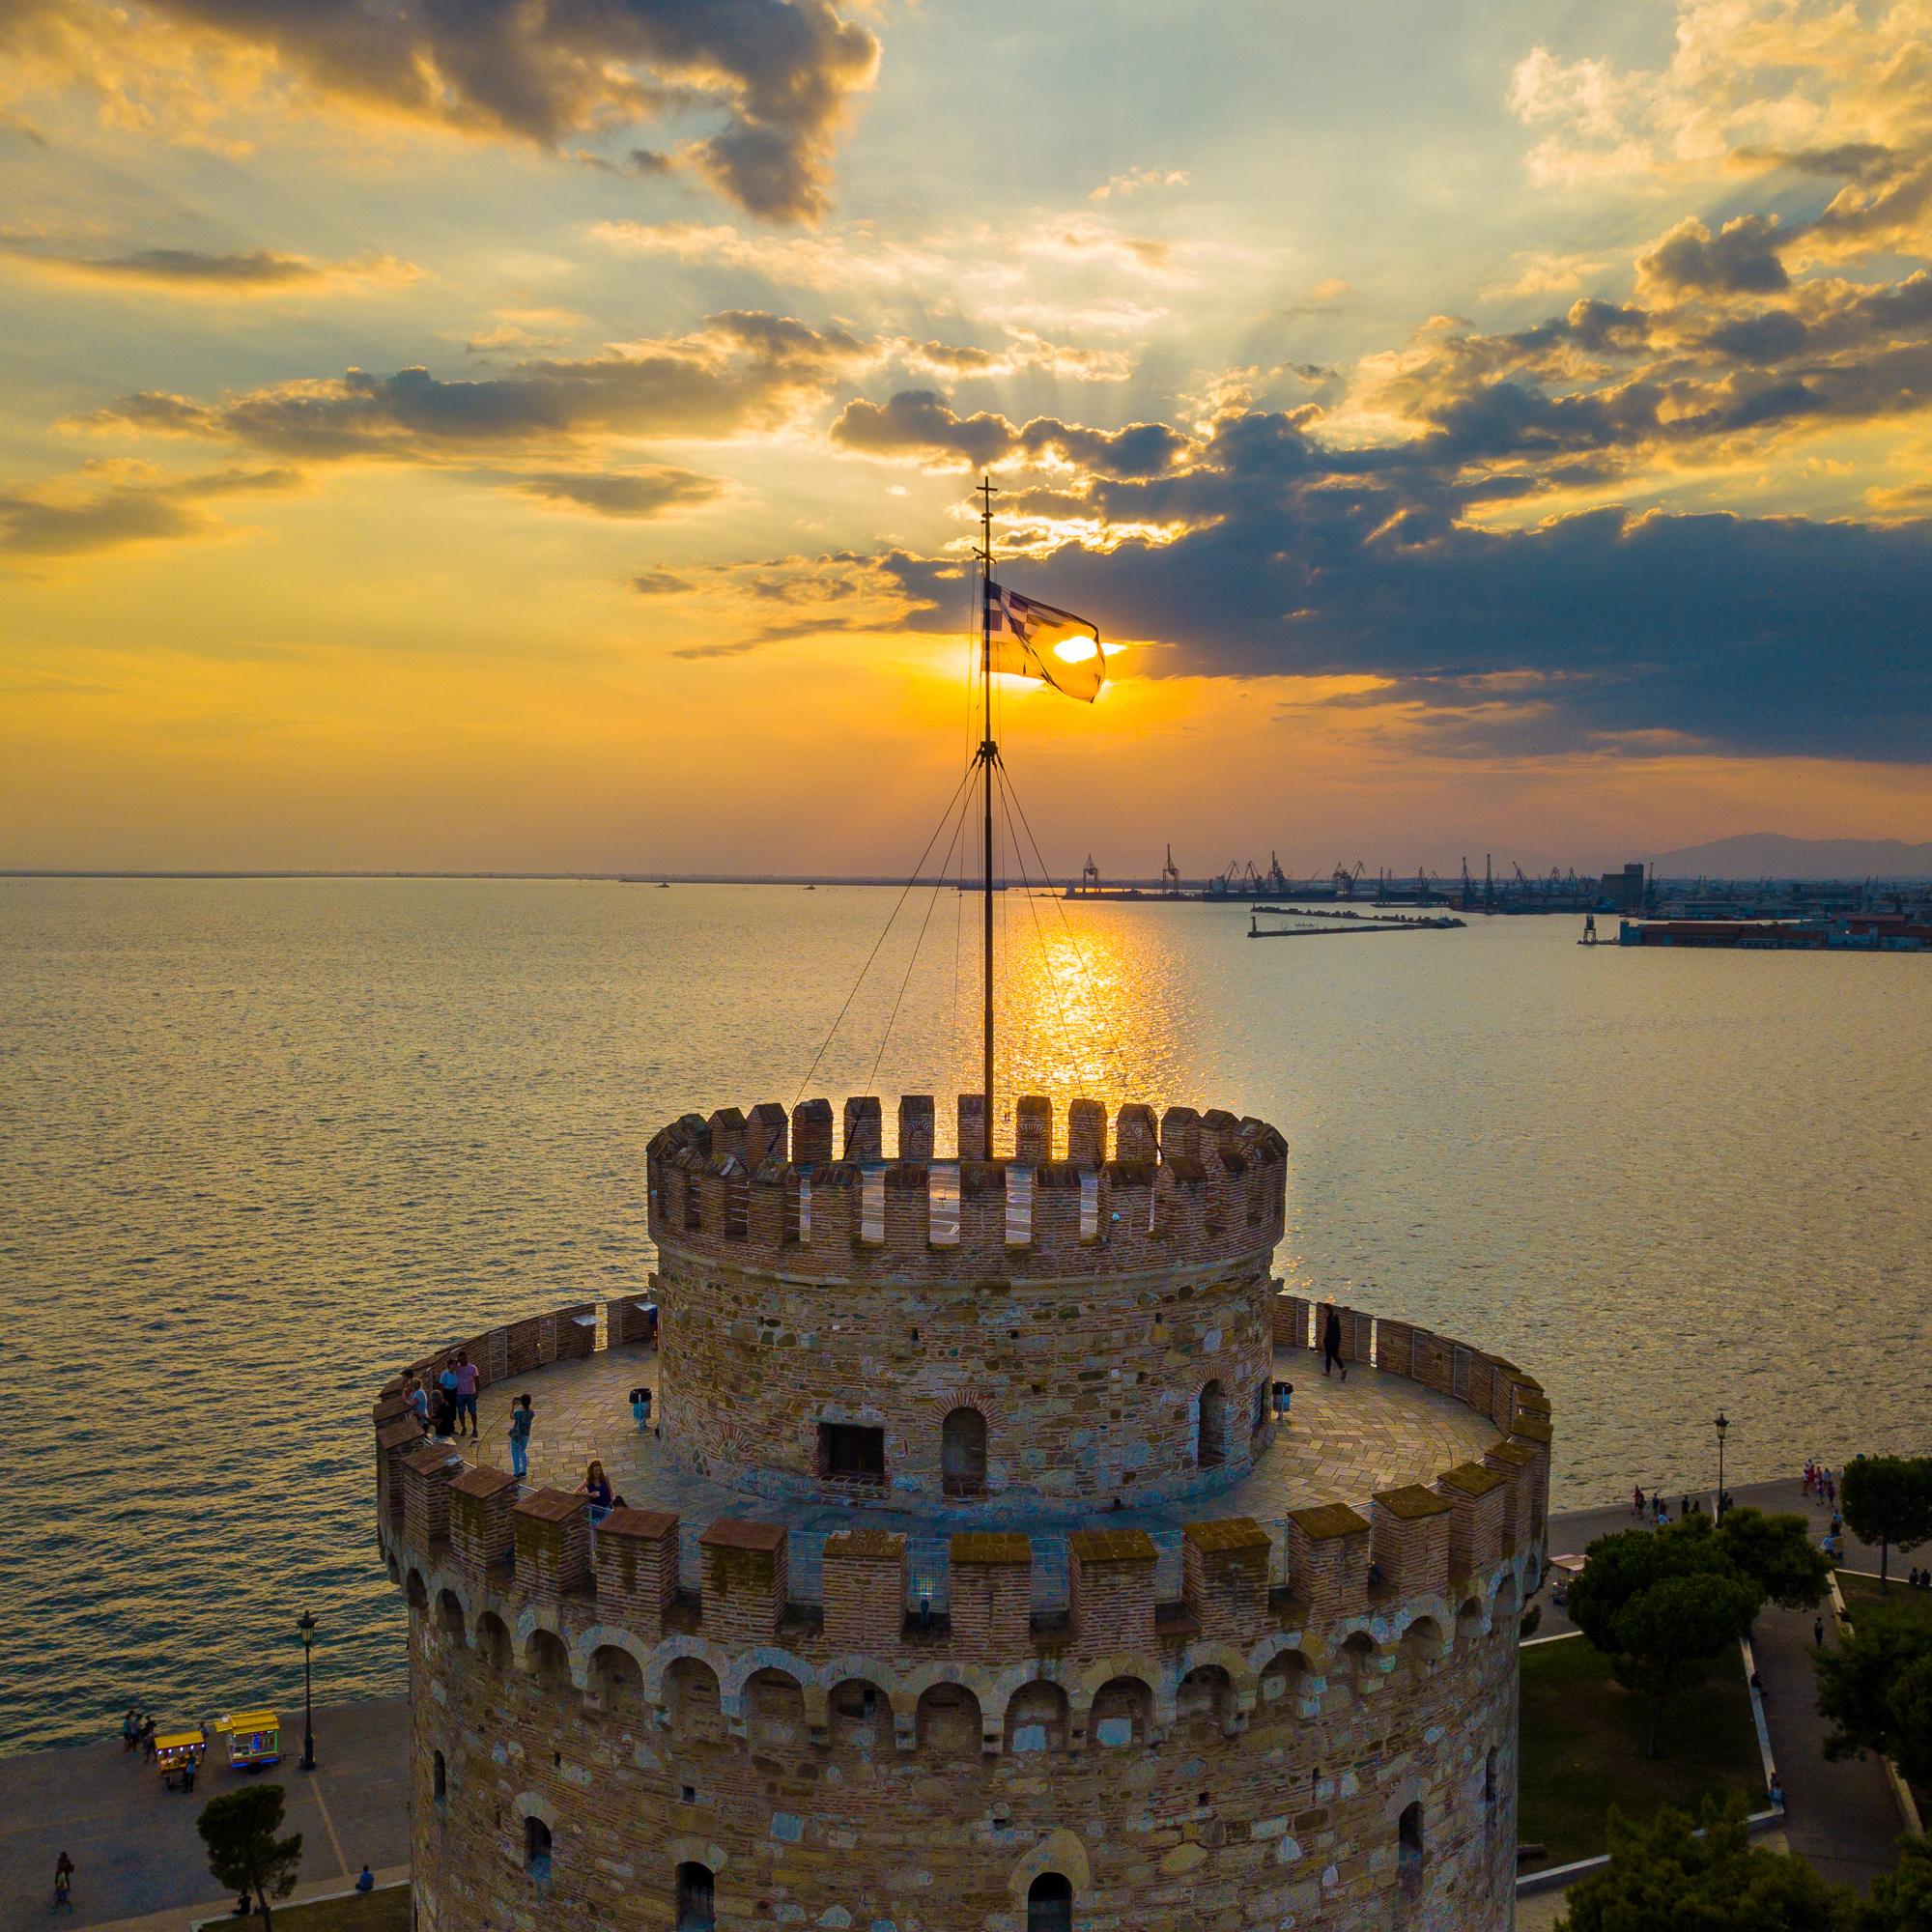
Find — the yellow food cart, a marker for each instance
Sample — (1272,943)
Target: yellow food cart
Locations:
(178,1755)
(254,1739)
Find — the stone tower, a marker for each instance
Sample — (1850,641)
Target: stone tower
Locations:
(967,1577)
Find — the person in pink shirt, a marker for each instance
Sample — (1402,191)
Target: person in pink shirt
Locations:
(466,1393)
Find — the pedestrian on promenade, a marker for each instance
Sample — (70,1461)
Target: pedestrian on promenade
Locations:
(147,1737)
(466,1393)
(522,1419)
(1331,1345)
(64,1872)
(1776,1791)
(597,1487)
(447,1381)
(365,1880)
(1818,1632)
(417,1398)
(1637,1506)
(443,1415)
(131,1729)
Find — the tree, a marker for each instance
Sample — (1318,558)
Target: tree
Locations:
(244,1852)
(1778,1554)
(1669,1634)
(1664,1876)
(1616,1568)
(1887,1500)
(1876,1687)
(1901,1901)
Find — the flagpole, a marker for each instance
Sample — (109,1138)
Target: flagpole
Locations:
(989,753)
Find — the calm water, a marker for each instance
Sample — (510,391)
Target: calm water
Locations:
(258,1139)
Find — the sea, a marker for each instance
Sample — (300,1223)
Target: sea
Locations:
(261,1139)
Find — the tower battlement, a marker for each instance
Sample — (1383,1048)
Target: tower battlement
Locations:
(762,1191)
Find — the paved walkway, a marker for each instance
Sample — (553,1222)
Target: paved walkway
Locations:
(1841,1817)
(138,1853)
(1342,1441)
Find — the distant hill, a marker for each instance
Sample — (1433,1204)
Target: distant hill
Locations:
(1769,854)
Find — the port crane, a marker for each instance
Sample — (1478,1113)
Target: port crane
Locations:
(1170,877)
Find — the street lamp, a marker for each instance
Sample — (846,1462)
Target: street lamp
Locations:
(307,1624)
(1722,1428)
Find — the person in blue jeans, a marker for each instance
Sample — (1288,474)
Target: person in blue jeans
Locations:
(466,1393)
(521,1419)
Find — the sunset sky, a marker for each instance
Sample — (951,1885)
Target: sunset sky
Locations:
(538,436)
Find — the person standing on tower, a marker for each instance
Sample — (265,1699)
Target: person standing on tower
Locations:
(1331,1344)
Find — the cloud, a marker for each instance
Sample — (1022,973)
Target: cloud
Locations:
(116,505)
(919,424)
(1741,259)
(853,258)
(742,370)
(1137,179)
(781,73)
(635,493)
(259,272)
(1546,274)
(1022,350)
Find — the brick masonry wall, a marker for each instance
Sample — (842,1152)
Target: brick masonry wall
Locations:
(1261,1787)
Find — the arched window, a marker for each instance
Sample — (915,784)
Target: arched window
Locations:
(694,1899)
(1408,1847)
(536,1848)
(440,1778)
(1212,1447)
(1050,1904)
(962,1453)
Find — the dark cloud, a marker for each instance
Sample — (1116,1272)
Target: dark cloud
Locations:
(1741,259)
(742,370)
(189,272)
(920,423)
(636,493)
(781,72)
(662,583)
(79,517)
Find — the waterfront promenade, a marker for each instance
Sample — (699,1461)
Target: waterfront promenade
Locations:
(142,1867)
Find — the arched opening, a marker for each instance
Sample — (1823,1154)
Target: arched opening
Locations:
(449,1615)
(691,1694)
(439,1777)
(1281,1687)
(1503,1612)
(1468,1621)
(536,1848)
(861,1717)
(1421,1647)
(1050,1904)
(492,1639)
(694,1911)
(1206,1697)
(549,1661)
(618,1685)
(1408,1848)
(1036,1719)
(962,1453)
(773,1710)
(1359,1665)
(1210,1449)
(1122,1709)
(948,1721)
(414,1592)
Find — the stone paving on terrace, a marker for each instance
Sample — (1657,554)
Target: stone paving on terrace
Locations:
(1341,1442)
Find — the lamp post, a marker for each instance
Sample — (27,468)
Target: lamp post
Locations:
(1723,1428)
(305,1623)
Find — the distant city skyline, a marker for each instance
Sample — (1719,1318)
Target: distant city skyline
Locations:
(544,443)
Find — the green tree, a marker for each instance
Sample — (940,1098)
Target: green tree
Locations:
(1777,1552)
(1887,1500)
(1664,1877)
(1667,1634)
(1901,1901)
(1876,1687)
(1619,1567)
(244,1852)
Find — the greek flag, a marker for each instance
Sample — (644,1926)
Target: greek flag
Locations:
(1031,639)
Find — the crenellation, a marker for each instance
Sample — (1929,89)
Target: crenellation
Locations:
(1007,1349)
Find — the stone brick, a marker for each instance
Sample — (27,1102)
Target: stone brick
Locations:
(915,1126)
(1480,1496)
(481,1533)
(1328,1561)
(393,1441)
(864,1589)
(1110,1589)
(811,1134)
(992,1595)
(1087,1133)
(767,1134)
(1033,1129)
(636,1569)
(1136,1138)
(1225,1578)
(1410,1542)
(553,1542)
(864,1131)
(1516,1462)
(745,1580)
(427,1472)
